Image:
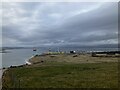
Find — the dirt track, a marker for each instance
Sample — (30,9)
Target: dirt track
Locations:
(1,72)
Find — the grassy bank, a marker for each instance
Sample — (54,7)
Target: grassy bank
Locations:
(63,75)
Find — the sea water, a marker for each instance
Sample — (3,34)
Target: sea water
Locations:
(16,57)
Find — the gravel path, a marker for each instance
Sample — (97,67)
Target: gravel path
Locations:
(1,72)
(0,79)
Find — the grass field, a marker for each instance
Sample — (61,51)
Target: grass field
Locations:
(63,75)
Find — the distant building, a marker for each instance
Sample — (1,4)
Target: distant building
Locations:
(72,52)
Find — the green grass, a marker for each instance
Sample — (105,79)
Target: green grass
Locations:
(60,75)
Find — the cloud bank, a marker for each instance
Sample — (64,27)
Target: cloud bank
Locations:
(60,24)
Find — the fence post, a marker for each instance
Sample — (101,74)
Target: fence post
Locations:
(19,83)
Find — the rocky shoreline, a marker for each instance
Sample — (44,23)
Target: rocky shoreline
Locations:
(46,61)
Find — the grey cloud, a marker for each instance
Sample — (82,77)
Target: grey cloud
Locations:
(74,30)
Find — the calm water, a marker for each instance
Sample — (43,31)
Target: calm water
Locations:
(19,56)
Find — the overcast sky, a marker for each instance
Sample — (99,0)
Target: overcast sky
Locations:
(59,24)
